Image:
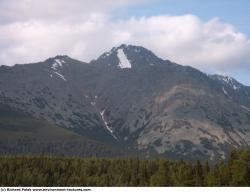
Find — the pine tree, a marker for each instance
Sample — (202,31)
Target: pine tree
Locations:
(224,176)
(162,177)
(198,172)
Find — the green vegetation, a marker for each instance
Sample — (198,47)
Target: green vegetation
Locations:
(56,171)
(21,134)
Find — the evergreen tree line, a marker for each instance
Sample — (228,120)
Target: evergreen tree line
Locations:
(55,171)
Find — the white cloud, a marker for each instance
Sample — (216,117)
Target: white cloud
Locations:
(83,34)
(212,45)
(64,10)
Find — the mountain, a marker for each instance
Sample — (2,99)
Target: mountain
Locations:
(22,134)
(233,89)
(133,102)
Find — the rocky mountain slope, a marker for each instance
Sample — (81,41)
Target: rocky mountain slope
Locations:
(131,99)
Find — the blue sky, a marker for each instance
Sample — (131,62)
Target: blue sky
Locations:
(236,12)
(213,36)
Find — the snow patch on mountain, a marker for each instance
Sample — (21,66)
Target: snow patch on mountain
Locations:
(225,92)
(60,75)
(106,54)
(244,107)
(229,81)
(235,87)
(123,60)
(106,125)
(226,79)
(57,63)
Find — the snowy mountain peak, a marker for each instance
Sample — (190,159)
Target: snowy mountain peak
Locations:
(58,63)
(129,56)
(132,49)
(228,81)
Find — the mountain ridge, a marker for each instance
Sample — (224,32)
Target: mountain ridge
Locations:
(129,97)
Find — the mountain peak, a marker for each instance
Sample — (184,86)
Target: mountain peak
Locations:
(61,57)
(132,48)
(227,80)
(57,62)
(122,46)
(128,56)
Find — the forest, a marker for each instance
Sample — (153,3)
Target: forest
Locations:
(129,172)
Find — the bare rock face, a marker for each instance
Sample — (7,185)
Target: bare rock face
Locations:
(130,98)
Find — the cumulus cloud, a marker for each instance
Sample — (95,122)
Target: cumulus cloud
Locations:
(208,45)
(212,45)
